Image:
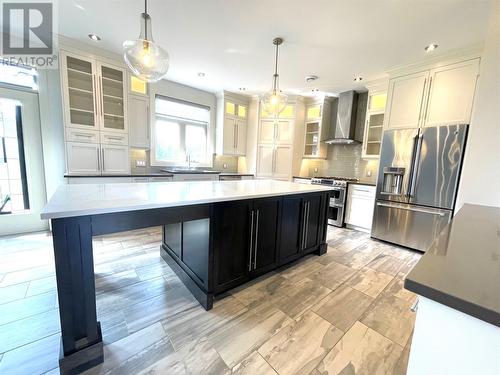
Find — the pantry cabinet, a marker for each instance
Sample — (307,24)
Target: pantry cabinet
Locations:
(231,126)
(94,96)
(435,97)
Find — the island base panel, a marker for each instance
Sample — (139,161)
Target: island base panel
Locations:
(204,298)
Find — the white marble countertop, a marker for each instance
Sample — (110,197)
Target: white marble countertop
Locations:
(90,199)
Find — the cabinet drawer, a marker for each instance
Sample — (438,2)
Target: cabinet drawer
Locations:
(114,139)
(364,191)
(79,135)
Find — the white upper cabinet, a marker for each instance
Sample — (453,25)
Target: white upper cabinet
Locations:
(94,94)
(316,128)
(95,116)
(284,132)
(441,96)
(79,84)
(231,127)
(267,130)
(406,100)
(138,121)
(375,112)
(451,94)
(112,93)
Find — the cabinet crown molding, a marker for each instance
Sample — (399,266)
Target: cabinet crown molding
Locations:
(448,58)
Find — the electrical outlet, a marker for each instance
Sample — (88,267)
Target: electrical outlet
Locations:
(140,163)
(368,173)
(315,170)
(224,166)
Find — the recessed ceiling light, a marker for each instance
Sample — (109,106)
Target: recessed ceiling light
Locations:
(94,37)
(242,89)
(311,78)
(201,74)
(431,47)
(358,79)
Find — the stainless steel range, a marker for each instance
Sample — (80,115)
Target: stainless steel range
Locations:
(338,198)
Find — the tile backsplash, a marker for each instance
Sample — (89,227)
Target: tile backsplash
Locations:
(219,162)
(342,161)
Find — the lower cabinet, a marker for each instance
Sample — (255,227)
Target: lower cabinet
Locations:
(218,246)
(245,239)
(301,225)
(359,207)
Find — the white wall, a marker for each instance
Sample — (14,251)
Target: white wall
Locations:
(480,182)
(51,123)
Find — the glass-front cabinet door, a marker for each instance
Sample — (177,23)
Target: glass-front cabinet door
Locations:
(112,105)
(80,82)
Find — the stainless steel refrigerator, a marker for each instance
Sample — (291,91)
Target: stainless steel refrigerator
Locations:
(417,184)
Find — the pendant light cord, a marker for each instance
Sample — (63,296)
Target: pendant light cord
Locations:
(275,69)
(146,23)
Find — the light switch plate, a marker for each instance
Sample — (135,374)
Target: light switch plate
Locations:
(224,166)
(315,170)
(368,173)
(140,163)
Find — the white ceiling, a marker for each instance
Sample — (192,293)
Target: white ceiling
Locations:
(231,40)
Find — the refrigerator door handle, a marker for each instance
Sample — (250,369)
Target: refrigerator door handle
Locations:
(415,209)
(415,161)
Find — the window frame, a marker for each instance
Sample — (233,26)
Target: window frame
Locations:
(183,122)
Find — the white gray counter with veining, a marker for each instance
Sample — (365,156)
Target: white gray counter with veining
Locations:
(91,199)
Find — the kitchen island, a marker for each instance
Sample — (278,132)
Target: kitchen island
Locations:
(216,235)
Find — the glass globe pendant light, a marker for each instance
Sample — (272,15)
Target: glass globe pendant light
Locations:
(146,59)
(274,101)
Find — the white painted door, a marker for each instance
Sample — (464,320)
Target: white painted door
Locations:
(405,100)
(229,136)
(451,94)
(282,162)
(265,160)
(266,134)
(115,159)
(138,120)
(284,132)
(241,138)
(22,181)
(83,158)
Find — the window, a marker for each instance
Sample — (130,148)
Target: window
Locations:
(13,183)
(180,132)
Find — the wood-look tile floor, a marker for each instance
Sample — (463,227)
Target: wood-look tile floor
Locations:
(345,312)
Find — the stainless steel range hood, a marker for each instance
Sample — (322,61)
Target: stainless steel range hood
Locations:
(343,124)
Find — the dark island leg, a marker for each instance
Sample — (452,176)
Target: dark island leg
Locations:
(81,340)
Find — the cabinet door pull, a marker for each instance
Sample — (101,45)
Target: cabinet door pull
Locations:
(256,240)
(422,101)
(103,167)
(94,85)
(234,135)
(428,99)
(303,245)
(98,159)
(251,243)
(307,224)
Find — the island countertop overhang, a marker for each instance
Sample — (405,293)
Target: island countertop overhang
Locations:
(93,199)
